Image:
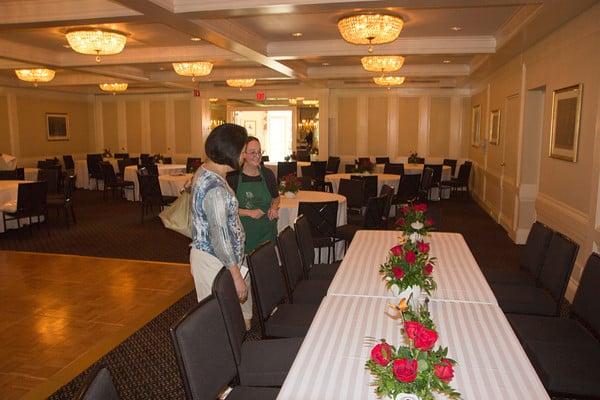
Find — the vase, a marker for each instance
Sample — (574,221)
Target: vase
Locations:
(404,396)
(414,295)
(314,157)
(290,195)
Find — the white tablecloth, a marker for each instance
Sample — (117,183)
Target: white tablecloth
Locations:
(163,169)
(456,272)
(330,364)
(7,162)
(272,165)
(83,180)
(9,191)
(171,185)
(388,179)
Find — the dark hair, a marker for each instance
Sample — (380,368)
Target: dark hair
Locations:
(225,143)
(252,139)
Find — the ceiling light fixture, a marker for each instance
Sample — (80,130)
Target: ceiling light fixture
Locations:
(114,87)
(193,69)
(382,63)
(241,83)
(389,80)
(96,41)
(370,28)
(35,75)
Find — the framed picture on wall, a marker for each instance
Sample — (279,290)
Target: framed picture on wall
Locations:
(566,113)
(250,127)
(494,127)
(476,126)
(57,126)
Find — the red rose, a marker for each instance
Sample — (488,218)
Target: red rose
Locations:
(422,247)
(428,269)
(425,339)
(399,222)
(444,371)
(420,207)
(412,329)
(429,222)
(381,354)
(288,184)
(410,257)
(396,250)
(398,272)
(404,210)
(405,370)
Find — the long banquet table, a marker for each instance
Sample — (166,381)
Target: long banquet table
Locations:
(491,363)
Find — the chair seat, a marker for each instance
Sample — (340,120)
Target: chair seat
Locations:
(550,329)
(525,300)
(310,291)
(253,393)
(509,276)
(323,271)
(267,362)
(291,320)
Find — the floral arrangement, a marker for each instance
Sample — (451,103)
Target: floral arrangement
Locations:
(416,368)
(194,165)
(414,221)
(412,159)
(409,265)
(290,157)
(107,153)
(364,165)
(158,158)
(314,150)
(290,183)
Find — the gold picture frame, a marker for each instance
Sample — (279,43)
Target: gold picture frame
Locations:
(566,115)
(57,126)
(476,126)
(494,137)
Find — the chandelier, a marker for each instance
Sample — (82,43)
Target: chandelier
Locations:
(241,83)
(96,41)
(389,80)
(35,75)
(370,28)
(114,87)
(193,69)
(382,63)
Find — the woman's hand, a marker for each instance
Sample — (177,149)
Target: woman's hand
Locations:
(240,284)
(256,213)
(273,213)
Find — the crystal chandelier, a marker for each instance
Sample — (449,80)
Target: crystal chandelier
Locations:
(389,80)
(35,75)
(193,69)
(241,83)
(370,28)
(96,41)
(382,63)
(114,87)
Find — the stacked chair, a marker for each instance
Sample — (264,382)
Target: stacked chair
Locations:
(322,219)
(98,386)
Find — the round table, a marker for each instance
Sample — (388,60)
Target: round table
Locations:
(387,179)
(171,185)
(130,174)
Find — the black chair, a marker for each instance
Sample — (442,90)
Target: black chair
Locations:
(94,169)
(408,189)
(531,262)
(322,218)
(264,159)
(168,160)
(388,192)
(114,183)
(374,218)
(17,174)
(146,159)
(349,168)
(333,164)
(318,176)
(306,182)
(425,185)
(564,351)
(192,164)
(69,164)
(461,182)
(148,169)
(452,164)
(546,298)
(121,155)
(285,168)
(259,362)
(302,155)
(150,194)
(31,203)
(205,357)
(382,160)
(64,200)
(300,290)
(371,183)
(317,271)
(98,386)
(276,318)
(354,191)
(52,175)
(394,168)
(436,178)
(124,163)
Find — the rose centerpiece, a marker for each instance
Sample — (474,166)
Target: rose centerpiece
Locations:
(414,221)
(364,166)
(290,185)
(415,368)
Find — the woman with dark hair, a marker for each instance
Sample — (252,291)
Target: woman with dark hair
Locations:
(217,233)
(258,197)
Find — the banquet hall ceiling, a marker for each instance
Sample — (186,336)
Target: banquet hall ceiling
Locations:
(253,39)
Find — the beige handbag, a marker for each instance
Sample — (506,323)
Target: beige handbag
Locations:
(178,216)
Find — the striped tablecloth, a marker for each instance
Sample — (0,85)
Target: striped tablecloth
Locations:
(330,364)
(456,273)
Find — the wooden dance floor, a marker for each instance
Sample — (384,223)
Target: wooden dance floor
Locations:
(61,313)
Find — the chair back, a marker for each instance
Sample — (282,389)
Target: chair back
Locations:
(124,163)
(51,175)
(203,352)
(348,168)
(302,155)
(452,164)
(307,171)
(333,164)
(146,159)
(558,265)
(289,252)
(150,192)
(224,291)
(150,169)
(354,191)
(11,175)
(464,171)
(371,182)
(306,182)
(268,288)
(31,198)
(69,162)
(108,173)
(319,168)
(98,386)
(534,251)
(382,160)
(587,299)
(374,214)
(388,192)
(408,188)
(322,217)
(436,178)
(93,164)
(285,168)
(426,183)
(168,160)
(393,168)
(305,242)
(121,155)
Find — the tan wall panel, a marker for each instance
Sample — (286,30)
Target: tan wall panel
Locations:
(439,127)
(110,126)
(4,136)
(347,112)
(378,125)
(183,133)
(158,131)
(134,126)
(408,132)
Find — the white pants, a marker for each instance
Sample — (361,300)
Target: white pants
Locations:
(204,268)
